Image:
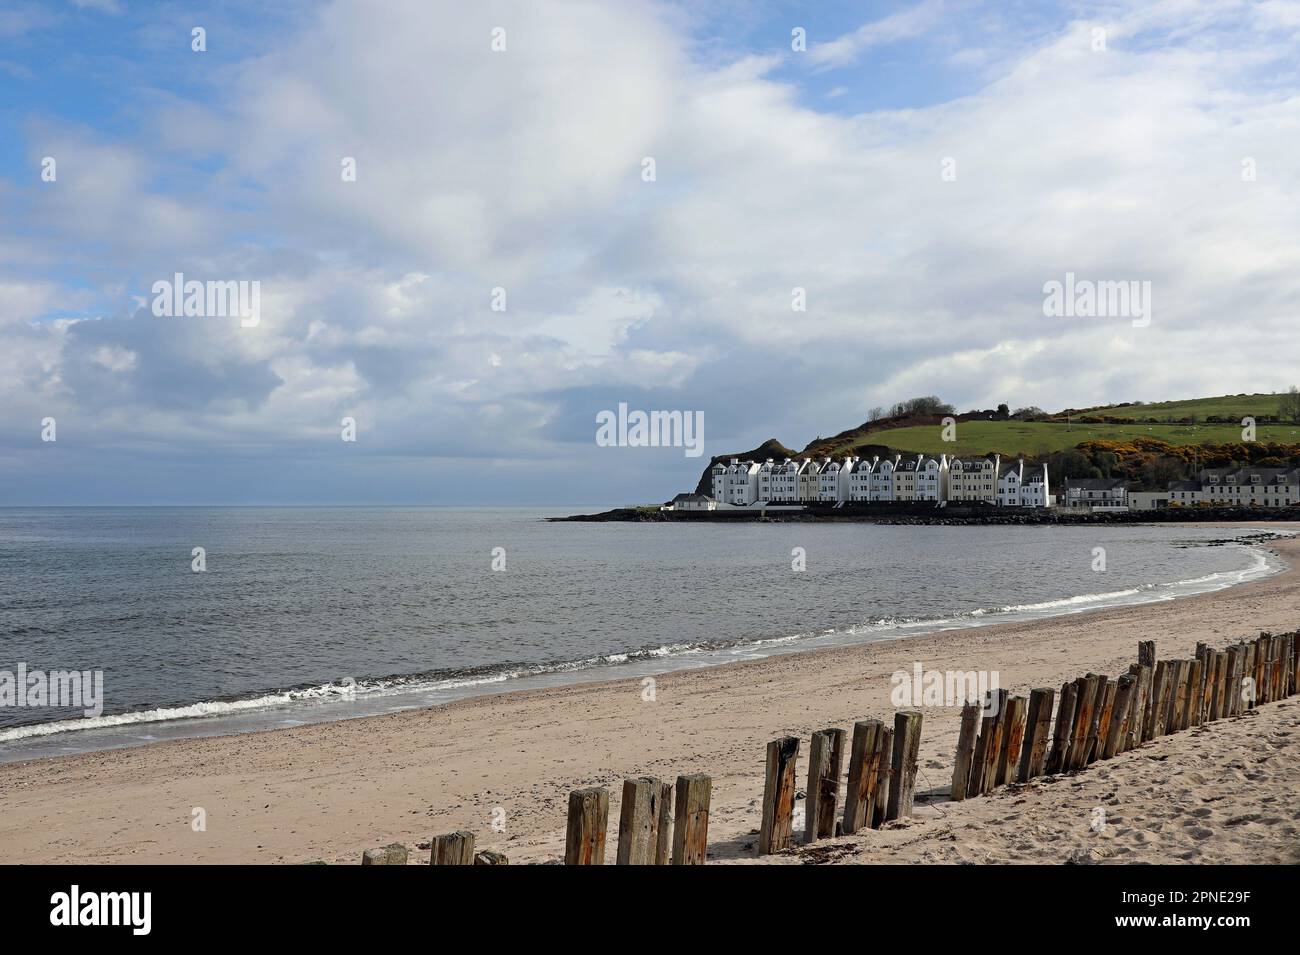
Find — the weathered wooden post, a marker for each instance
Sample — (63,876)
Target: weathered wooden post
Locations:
(454,848)
(995,721)
(1086,692)
(393,854)
(1013,738)
(864,771)
(778,795)
(1196,692)
(1249,653)
(1038,725)
(883,776)
(1105,716)
(1141,691)
(970,722)
(490,857)
(1117,731)
(1160,704)
(1182,669)
(584,842)
(691,830)
(664,837)
(1295,663)
(1222,686)
(1095,739)
(907,744)
(825,759)
(1059,754)
(638,821)
(1147,654)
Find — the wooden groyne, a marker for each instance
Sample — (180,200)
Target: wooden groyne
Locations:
(1098,717)
(1005,740)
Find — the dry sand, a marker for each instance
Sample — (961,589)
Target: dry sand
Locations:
(1223,793)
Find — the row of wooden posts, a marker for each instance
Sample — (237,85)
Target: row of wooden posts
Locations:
(657,829)
(1006,739)
(881,784)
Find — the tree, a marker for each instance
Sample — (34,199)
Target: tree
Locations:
(876,413)
(1288,408)
(1003,412)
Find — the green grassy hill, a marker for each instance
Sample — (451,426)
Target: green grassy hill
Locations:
(1235,407)
(1037,438)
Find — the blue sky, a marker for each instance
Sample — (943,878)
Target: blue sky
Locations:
(521,169)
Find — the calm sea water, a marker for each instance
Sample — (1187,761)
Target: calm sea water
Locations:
(299,605)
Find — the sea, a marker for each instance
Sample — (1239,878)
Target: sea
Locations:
(296,615)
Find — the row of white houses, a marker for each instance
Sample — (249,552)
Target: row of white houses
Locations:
(920,478)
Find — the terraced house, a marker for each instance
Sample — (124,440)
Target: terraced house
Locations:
(975,479)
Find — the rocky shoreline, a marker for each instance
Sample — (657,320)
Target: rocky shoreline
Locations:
(948,516)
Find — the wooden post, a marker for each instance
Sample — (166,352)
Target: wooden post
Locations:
(995,720)
(1038,725)
(1213,679)
(584,842)
(1222,686)
(1137,712)
(980,756)
(1251,655)
(825,758)
(1013,738)
(778,796)
(1108,694)
(885,774)
(1196,693)
(490,857)
(1151,713)
(970,722)
(664,837)
(1182,671)
(1147,654)
(638,821)
(1096,732)
(1295,663)
(1059,754)
(392,854)
(1085,688)
(907,744)
(1261,666)
(864,772)
(691,829)
(1160,702)
(1236,677)
(454,848)
(1117,731)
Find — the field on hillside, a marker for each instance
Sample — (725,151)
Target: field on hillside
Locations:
(1014,437)
(1227,406)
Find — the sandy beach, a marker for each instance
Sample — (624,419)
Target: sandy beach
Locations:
(503,765)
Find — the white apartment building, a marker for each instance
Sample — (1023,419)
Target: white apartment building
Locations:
(1096,493)
(882,480)
(921,479)
(833,482)
(785,481)
(735,483)
(1024,487)
(975,479)
(860,479)
(808,479)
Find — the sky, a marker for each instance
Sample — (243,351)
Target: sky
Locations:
(502,263)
